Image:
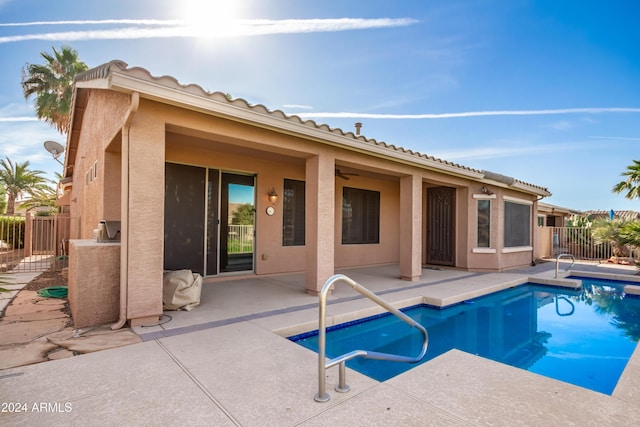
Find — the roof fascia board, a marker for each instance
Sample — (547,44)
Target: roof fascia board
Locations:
(94,84)
(518,185)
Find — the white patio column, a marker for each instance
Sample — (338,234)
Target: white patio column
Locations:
(320,206)
(411,227)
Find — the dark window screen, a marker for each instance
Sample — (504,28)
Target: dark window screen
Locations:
(517,224)
(360,216)
(293,221)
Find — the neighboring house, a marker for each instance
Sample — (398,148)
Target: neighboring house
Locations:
(552,220)
(554,216)
(169,161)
(623,215)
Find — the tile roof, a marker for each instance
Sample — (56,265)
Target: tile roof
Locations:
(622,214)
(107,70)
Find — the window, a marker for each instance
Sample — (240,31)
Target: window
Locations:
(360,216)
(517,224)
(293,213)
(484,223)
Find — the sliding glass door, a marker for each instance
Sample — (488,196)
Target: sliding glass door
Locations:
(209,220)
(237,222)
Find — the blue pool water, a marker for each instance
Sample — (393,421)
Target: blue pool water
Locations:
(583,337)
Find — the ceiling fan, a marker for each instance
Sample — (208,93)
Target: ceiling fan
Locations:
(345,175)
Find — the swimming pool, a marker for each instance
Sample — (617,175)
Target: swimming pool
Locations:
(583,337)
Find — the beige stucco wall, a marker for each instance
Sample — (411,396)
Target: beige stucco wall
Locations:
(94,282)
(104,116)
(98,192)
(388,250)
(497,257)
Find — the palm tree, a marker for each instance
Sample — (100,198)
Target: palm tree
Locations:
(610,231)
(52,85)
(17,180)
(632,184)
(42,195)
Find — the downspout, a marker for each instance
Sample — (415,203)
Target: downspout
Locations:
(124,209)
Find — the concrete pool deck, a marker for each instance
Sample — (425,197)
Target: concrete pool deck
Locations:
(228,363)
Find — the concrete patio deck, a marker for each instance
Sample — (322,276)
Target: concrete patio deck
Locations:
(228,363)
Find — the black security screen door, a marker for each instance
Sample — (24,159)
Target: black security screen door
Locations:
(184,217)
(441,204)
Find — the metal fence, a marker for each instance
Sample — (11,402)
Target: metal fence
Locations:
(577,241)
(34,243)
(240,239)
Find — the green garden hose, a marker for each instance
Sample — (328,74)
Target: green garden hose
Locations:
(54,292)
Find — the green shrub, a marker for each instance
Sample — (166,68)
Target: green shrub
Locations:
(12,231)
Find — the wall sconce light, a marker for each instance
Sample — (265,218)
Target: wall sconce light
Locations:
(485,190)
(273,196)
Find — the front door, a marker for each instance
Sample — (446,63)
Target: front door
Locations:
(441,208)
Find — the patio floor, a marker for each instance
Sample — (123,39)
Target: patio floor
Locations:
(228,363)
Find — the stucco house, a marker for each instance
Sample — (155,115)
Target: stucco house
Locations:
(174,163)
(554,216)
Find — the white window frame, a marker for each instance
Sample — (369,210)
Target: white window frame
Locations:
(512,249)
(490,249)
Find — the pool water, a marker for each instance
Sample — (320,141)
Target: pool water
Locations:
(582,337)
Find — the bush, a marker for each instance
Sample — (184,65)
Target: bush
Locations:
(12,231)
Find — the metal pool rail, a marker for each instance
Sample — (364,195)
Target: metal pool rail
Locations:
(323,365)
(571,257)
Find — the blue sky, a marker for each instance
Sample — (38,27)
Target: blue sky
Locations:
(545,91)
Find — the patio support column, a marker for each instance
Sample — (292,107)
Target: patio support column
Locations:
(320,206)
(411,227)
(142,222)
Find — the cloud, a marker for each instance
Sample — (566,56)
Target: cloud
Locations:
(346,115)
(169,29)
(299,107)
(561,125)
(24,142)
(500,152)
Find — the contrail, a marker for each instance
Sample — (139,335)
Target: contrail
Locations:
(617,138)
(96,22)
(19,119)
(149,28)
(471,113)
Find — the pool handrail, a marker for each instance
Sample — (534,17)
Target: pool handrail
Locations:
(323,365)
(573,261)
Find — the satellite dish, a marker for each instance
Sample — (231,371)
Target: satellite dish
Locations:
(56,149)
